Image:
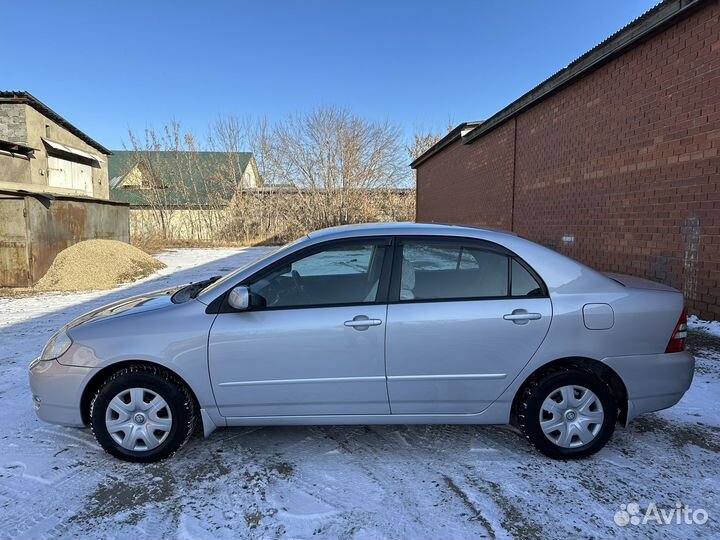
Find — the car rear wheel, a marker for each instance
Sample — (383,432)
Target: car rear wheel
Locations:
(567,414)
(142,413)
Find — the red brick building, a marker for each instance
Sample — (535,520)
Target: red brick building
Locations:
(614,160)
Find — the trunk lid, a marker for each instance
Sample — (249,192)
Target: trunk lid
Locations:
(634,282)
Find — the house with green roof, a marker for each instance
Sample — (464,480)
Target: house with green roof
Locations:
(180,195)
(181,180)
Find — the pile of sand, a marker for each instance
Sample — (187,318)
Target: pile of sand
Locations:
(97,264)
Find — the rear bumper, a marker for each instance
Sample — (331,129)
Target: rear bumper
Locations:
(56,391)
(653,381)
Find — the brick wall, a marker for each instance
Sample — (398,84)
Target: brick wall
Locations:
(451,185)
(620,170)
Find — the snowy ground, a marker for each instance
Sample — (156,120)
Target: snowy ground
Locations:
(340,482)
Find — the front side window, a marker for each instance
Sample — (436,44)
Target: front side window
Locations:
(341,274)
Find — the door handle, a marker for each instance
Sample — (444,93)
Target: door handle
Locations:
(362,322)
(521,316)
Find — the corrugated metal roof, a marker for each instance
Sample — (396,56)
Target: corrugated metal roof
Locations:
(43,192)
(11,96)
(67,149)
(184,178)
(16,148)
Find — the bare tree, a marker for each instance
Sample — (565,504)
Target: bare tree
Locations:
(257,132)
(227,137)
(323,168)
(423,139)
(421,142)
(330,158)
(181,194)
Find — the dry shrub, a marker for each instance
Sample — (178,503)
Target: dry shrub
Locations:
(279,217)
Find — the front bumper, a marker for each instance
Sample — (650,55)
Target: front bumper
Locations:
(57,390)
(653,381)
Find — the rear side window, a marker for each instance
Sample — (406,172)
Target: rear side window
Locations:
(523,283)
(437,257)
(434,271)
(454,270)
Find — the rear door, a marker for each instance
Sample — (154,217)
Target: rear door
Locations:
(465,317)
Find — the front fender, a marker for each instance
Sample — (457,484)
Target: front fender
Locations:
(175,338)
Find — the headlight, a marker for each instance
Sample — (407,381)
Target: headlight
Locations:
(57,346)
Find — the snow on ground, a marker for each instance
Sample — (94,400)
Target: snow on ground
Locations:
(709,327)
(339,482)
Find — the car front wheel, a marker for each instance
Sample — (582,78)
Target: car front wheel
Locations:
(567,414)
(142,413)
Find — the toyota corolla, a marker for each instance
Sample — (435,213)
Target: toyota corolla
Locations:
(375,324)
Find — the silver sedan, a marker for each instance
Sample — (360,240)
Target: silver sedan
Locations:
(375,324)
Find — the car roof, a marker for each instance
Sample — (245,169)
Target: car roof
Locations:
(560,273)
(404,228)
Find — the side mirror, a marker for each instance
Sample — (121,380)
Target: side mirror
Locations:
(239,298)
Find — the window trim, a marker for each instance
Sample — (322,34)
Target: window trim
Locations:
(483,245)
(383,283)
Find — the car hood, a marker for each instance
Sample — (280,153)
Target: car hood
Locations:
(127,306)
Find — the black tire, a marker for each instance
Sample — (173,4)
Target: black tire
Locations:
(160,381)
(535,393)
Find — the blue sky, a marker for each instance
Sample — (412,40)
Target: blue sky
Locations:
(113,65)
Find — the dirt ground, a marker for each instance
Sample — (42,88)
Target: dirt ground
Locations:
(97,265)
(339,482)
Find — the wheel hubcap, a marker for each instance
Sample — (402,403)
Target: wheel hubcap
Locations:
(138,419)
(571,416)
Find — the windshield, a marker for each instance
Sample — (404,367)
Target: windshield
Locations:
(220,282)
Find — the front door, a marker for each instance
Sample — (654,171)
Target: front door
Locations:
(313,341)
(465,317)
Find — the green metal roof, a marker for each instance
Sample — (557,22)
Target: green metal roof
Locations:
(185,179)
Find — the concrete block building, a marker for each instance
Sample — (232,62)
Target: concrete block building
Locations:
(54,189)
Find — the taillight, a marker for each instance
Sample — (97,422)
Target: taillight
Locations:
(677,341)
